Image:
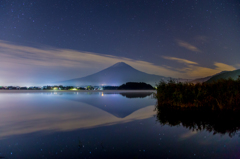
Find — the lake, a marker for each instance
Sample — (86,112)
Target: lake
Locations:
(103,125)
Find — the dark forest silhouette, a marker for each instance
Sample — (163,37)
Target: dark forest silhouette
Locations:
(130,86)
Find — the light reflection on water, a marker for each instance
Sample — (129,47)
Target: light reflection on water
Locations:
(27,113)
(99,125)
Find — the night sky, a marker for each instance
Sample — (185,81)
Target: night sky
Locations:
(42,41)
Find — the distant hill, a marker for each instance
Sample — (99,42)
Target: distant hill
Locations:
(116,75)
(225,75)
(204,79)
(136,85)
(201,80)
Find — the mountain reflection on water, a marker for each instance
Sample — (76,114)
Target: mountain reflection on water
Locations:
(102,125)
(199,119)
(119,107)
(136,95)
(24,113)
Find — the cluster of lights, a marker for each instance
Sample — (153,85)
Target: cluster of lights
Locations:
(55,88)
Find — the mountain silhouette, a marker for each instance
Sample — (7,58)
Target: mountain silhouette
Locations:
(225,75)
(205,79)
(117,74)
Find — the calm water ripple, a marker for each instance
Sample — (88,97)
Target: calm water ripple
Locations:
(100,125)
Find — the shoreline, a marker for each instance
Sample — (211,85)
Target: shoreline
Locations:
(79,91)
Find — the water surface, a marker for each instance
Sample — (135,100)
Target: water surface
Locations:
(100,125)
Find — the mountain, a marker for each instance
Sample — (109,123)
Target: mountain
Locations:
(225,75)
(116,75)
(201,80)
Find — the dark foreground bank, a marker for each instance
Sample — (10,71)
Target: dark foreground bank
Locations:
(220,95)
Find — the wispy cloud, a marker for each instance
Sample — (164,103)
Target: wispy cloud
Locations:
(30,65)
(225,67)
(194,70)
(188,46)
(200,71)
(187,135)
(180,60)
(22,62)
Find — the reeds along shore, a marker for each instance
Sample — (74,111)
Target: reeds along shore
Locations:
(200,119)
(220,95)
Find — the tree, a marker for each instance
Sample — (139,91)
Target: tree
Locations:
(90,87)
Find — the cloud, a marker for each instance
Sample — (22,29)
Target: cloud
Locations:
(187,135)
(24,65)
(193,70)
(24,62)
(179,60)
(225,67)
(200,71)
(188,46)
